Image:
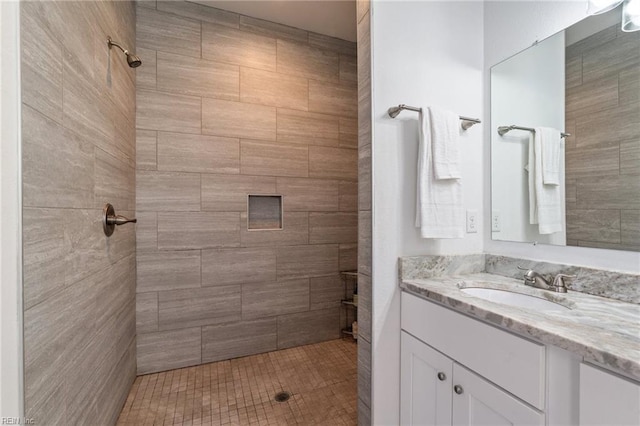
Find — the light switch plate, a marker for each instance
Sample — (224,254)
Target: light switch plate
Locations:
(472,221)
(495,221)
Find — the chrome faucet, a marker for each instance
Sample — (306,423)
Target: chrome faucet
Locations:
(534,279)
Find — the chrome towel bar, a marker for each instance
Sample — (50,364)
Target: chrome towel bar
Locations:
(466,121)
(502,130)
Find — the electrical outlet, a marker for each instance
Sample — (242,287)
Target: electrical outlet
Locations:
(472,221)
(495,221)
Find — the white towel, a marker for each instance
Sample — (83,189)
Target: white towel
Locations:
(445,132)
(439,207)
(545,207)
(551,144)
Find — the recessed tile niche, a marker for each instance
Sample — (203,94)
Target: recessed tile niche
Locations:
(265,212)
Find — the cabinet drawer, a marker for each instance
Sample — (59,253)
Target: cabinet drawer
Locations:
(511,362)
(607,399)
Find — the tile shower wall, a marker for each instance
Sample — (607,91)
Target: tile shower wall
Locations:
(603,156)
(364,211)
(227,106)
(78,152)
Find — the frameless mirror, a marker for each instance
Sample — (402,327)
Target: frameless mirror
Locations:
(565,139)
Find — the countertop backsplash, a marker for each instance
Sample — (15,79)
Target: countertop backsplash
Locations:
(610,284)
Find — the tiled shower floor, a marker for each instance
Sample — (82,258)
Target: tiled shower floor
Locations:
(320,377)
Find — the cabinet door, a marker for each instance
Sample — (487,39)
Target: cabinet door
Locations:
(425,384)
(607,399)
(479,402)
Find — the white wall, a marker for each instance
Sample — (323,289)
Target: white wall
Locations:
(11,389)
(509,27)
(526,90)
(423,53)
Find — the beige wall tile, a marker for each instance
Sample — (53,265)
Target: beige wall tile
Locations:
(339,163)
(232,46)
(146,312)
(629,86)
(162,191)
(630,227)
(364,242)
(364,372)
(611,58)
(307,61)
(348,257)
(330,98)
(41,62)
(114,182)
(146,73)
(238,266)
(61,177)
(610,193)
(226,341)
(607,125)
(302,127)
(592,97)
(167,32)
(594,225)
(168,112)
(295,231)
(200,12)
(146,149)
(147,231)
(307,261)
(273,89)
(195,153)
(179,309)
(348,132)
(362,7)
(348,68)
(331,43)
(229,193)
(196,230)
(236,119)
(168,270)
(364,306)
(326,292)
(601,37)
(303,194)
(166,350)
(308,327)
(262,300)
(348,196)
(590,161)
(198,77)
(272,29)
(630,157)
(273,159)
(333,228)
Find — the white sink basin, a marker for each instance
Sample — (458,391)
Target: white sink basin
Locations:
(514,299)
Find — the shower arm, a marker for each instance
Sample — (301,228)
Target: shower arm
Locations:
(112,43)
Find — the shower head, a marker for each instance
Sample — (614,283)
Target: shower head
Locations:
(394,111)
(132,60)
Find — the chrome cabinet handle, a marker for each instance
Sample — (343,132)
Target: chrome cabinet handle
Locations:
(458,389)
(110,220)
(441,376)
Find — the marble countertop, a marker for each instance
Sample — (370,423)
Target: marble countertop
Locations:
(599,329)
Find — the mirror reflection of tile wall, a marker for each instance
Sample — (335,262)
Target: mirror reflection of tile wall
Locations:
(603,155)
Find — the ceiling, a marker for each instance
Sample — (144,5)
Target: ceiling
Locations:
(335,18)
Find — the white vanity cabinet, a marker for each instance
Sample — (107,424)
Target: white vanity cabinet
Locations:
(607,399)
(472,373)
(435,390)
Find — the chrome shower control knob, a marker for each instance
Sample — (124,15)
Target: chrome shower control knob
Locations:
(441,376)
(458,389)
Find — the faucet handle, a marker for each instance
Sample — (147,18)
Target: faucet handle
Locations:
(558,281)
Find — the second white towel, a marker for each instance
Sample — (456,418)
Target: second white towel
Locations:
(439,205)
(545,201)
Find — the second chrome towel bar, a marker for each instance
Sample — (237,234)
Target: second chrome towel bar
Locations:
(503,130)
(466,121)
